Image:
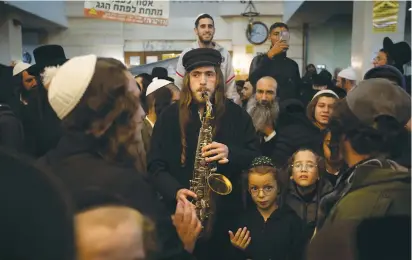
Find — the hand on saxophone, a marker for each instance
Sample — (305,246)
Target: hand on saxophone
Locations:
(216,152)
(188,226)
(183,194)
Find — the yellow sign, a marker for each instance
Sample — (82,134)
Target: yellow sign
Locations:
(169,56)
(385,16)
(249,49)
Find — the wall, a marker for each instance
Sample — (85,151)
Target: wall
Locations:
(108,38)
(330,44)
(53,11)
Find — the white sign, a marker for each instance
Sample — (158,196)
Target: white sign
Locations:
(154,12)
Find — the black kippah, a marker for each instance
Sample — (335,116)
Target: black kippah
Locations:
(201,57)
(262,161)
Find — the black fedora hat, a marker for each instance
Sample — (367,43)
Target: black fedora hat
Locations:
(161,73)
(400,51)
(45,56)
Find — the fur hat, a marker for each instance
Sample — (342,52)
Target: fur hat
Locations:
(400,51)
(388,72)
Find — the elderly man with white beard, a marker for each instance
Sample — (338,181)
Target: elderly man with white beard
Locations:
(264,110)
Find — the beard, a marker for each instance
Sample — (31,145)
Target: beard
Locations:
(264,113)
(206,41)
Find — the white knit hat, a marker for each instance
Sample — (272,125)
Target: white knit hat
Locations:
(67,84)
(19,67)
(348,73)
(156,84)
(325,91)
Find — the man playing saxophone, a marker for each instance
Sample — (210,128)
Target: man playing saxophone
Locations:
(175,140)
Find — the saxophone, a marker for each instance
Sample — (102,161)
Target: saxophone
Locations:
(205,179)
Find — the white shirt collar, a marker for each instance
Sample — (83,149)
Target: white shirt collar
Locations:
(150,122)
(269,137)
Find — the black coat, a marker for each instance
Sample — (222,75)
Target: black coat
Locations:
(11,129)
(294,131)
(283,69)
(280,237)
(164,166)
(76,162)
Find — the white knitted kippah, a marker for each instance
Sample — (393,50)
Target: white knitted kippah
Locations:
(19,67)
(67,84)
(325,91)
(156,84)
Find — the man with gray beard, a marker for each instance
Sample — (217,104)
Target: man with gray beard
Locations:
(264,110)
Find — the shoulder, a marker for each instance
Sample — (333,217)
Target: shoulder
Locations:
(292,62)
(235,110)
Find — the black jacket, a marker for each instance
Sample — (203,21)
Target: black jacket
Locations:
(78,165)
(164,166)
(280,237)
(282,68)
(11,129)
(294,131)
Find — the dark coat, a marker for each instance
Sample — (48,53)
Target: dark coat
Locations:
(280,237)
(76,162)
(11,129)
(164,166)
(307,208)
(374,187)
(294,131)
(283,69)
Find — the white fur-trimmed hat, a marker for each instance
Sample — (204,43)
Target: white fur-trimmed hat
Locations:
(156,84)
(20,67)
(66,84)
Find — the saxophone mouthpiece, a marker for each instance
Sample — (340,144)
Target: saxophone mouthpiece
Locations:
(205,95)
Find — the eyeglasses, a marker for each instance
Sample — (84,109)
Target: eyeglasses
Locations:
(266,190)
(304,166)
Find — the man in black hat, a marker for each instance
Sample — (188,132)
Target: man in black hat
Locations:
(176,135)
(41,124)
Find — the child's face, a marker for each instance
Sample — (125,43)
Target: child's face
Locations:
(305,169)
(263,189)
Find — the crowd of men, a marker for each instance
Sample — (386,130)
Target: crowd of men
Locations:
(97,163)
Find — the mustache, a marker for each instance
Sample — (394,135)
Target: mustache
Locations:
(264,113)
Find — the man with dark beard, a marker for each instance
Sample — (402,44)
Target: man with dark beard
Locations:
(175,136)
(205,30)
(264,110)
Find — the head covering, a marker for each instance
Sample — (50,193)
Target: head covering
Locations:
(377,97)
(201,16)
(67,84)
(156,84)
(400,52)
(386,72)
(161,73)
(348,73)
(36,219)
(46,56)
(262,161)
(20,67)
(320,79)
(201,57)
(325,91)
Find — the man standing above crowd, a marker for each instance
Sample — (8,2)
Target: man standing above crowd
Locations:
(205,30)
(274,63)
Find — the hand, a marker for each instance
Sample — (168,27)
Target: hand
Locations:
(182,195)
(277,48)
(188,226)
(218,152)
(241,239)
